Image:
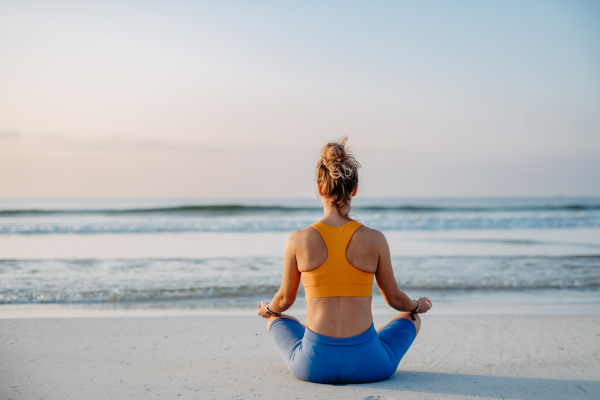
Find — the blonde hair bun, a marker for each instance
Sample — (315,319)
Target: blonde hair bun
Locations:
(337,172)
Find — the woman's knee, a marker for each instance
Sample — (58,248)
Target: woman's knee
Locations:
(272,319)
(409,316)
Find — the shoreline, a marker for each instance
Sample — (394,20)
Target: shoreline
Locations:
(42,312)
(551,302)
(521,357)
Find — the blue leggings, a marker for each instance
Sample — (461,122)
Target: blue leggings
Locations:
(367,357)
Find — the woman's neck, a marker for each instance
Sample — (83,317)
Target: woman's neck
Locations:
(332,216)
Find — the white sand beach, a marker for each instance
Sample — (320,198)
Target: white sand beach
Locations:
(454,357)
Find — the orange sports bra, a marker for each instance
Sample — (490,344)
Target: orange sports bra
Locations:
(337,277)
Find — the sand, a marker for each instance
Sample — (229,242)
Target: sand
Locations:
(513,357)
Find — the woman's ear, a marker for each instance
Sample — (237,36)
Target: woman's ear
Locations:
(320,190)
(355,190)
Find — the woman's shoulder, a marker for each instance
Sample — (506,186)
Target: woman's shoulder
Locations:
(304,235)
(370,235)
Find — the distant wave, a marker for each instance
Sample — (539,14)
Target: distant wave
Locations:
(278,223)
(189,209)
(237,209)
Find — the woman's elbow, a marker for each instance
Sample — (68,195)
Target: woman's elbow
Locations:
(395,302)
(287,298)
(388,299)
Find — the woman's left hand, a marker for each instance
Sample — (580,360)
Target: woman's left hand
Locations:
(425,305)
(262,310)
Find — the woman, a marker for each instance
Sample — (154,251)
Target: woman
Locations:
(337,258)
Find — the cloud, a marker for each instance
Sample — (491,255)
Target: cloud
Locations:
(5,135)
(60,143)
(123,143)
(167,146)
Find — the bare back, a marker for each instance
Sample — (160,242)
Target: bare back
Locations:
(338,316)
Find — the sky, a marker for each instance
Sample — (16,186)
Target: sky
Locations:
(136,99)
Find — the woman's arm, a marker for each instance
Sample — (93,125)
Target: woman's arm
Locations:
(386,281)
(286,296)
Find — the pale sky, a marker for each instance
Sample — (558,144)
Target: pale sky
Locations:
(235,98)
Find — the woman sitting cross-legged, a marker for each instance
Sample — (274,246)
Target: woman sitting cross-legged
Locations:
(337,258)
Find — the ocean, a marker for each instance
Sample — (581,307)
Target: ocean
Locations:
(515,255)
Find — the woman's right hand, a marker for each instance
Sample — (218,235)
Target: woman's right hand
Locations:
(262,309)
(425,305)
